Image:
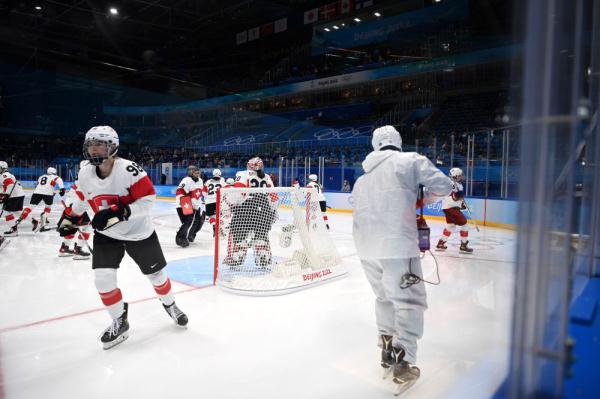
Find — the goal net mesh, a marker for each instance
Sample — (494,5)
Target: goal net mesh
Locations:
(272,240)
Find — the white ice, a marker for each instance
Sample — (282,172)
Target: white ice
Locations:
(316,343)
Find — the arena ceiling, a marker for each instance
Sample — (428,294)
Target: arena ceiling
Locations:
(177,39)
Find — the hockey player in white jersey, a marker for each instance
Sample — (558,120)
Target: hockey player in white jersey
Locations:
(245,232)
(210,196)
(82,230)
(313,183)
(452,205)
(385,235)
(189,206)
(44,191)
(11,197)
(121,195)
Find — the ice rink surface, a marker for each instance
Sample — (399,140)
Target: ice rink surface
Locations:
(316,343)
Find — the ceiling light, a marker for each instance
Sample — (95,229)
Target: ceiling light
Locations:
(336,27)
(39,8)
(343,24)
(113,11)
(377,14)
(357,19)
(327,30)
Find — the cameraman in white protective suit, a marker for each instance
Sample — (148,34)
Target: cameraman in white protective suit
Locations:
(385,234)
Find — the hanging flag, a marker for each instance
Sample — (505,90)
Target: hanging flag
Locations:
(266,29)
(360,4)
(345,6)
(241,37)
(311,16)
(328,11)
(253,33)
(280,25)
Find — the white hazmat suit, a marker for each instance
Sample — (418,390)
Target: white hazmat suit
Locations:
(385,233)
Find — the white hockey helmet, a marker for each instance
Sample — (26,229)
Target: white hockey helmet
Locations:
(216,173)
(384,136)
(230,181)
(313,177)
(51,171)
(101,134)
(255,164)
(3,166)
(456,173)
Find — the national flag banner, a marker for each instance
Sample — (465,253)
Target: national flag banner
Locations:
(360,4)
(267,29)
(241,37)
(253,33)
(345,6)
(328,11)
(311,16)
(280,25)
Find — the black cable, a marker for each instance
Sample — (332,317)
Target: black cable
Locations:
(409,279)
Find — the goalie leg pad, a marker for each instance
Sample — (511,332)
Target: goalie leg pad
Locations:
(262,253)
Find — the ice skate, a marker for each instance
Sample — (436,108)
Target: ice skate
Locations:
(64,251)
(79,253)
(441,245)
(117,332)
(12,232)
(405,374)
(387,355)
(182,242)
(34,224)
(464,248)
(177,315)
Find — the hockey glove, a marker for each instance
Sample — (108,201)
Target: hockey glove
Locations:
(61,192)
(67,224)
(463,205)
(106,218)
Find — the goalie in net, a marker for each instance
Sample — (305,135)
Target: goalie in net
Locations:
(272,239)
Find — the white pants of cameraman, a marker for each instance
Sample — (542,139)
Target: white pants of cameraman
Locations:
(399,311)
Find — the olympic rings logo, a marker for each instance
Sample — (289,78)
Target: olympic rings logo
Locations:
(245,140)
(344,133)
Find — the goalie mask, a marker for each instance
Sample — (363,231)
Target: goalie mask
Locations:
(255,164)
(100,135)
(3,166)
(193,171)
(457,174)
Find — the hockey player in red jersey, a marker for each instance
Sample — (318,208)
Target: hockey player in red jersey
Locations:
(120,195)
(44,192)
(188,202)
(11,197)
(452,205)
(82,231)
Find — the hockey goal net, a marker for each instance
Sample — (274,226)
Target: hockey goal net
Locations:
(272,241)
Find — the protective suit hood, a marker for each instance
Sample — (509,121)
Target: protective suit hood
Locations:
(375,158)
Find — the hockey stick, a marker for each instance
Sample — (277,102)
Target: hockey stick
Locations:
(87,244)
(471,216)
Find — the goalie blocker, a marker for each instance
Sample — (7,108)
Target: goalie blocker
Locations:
(274,241)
